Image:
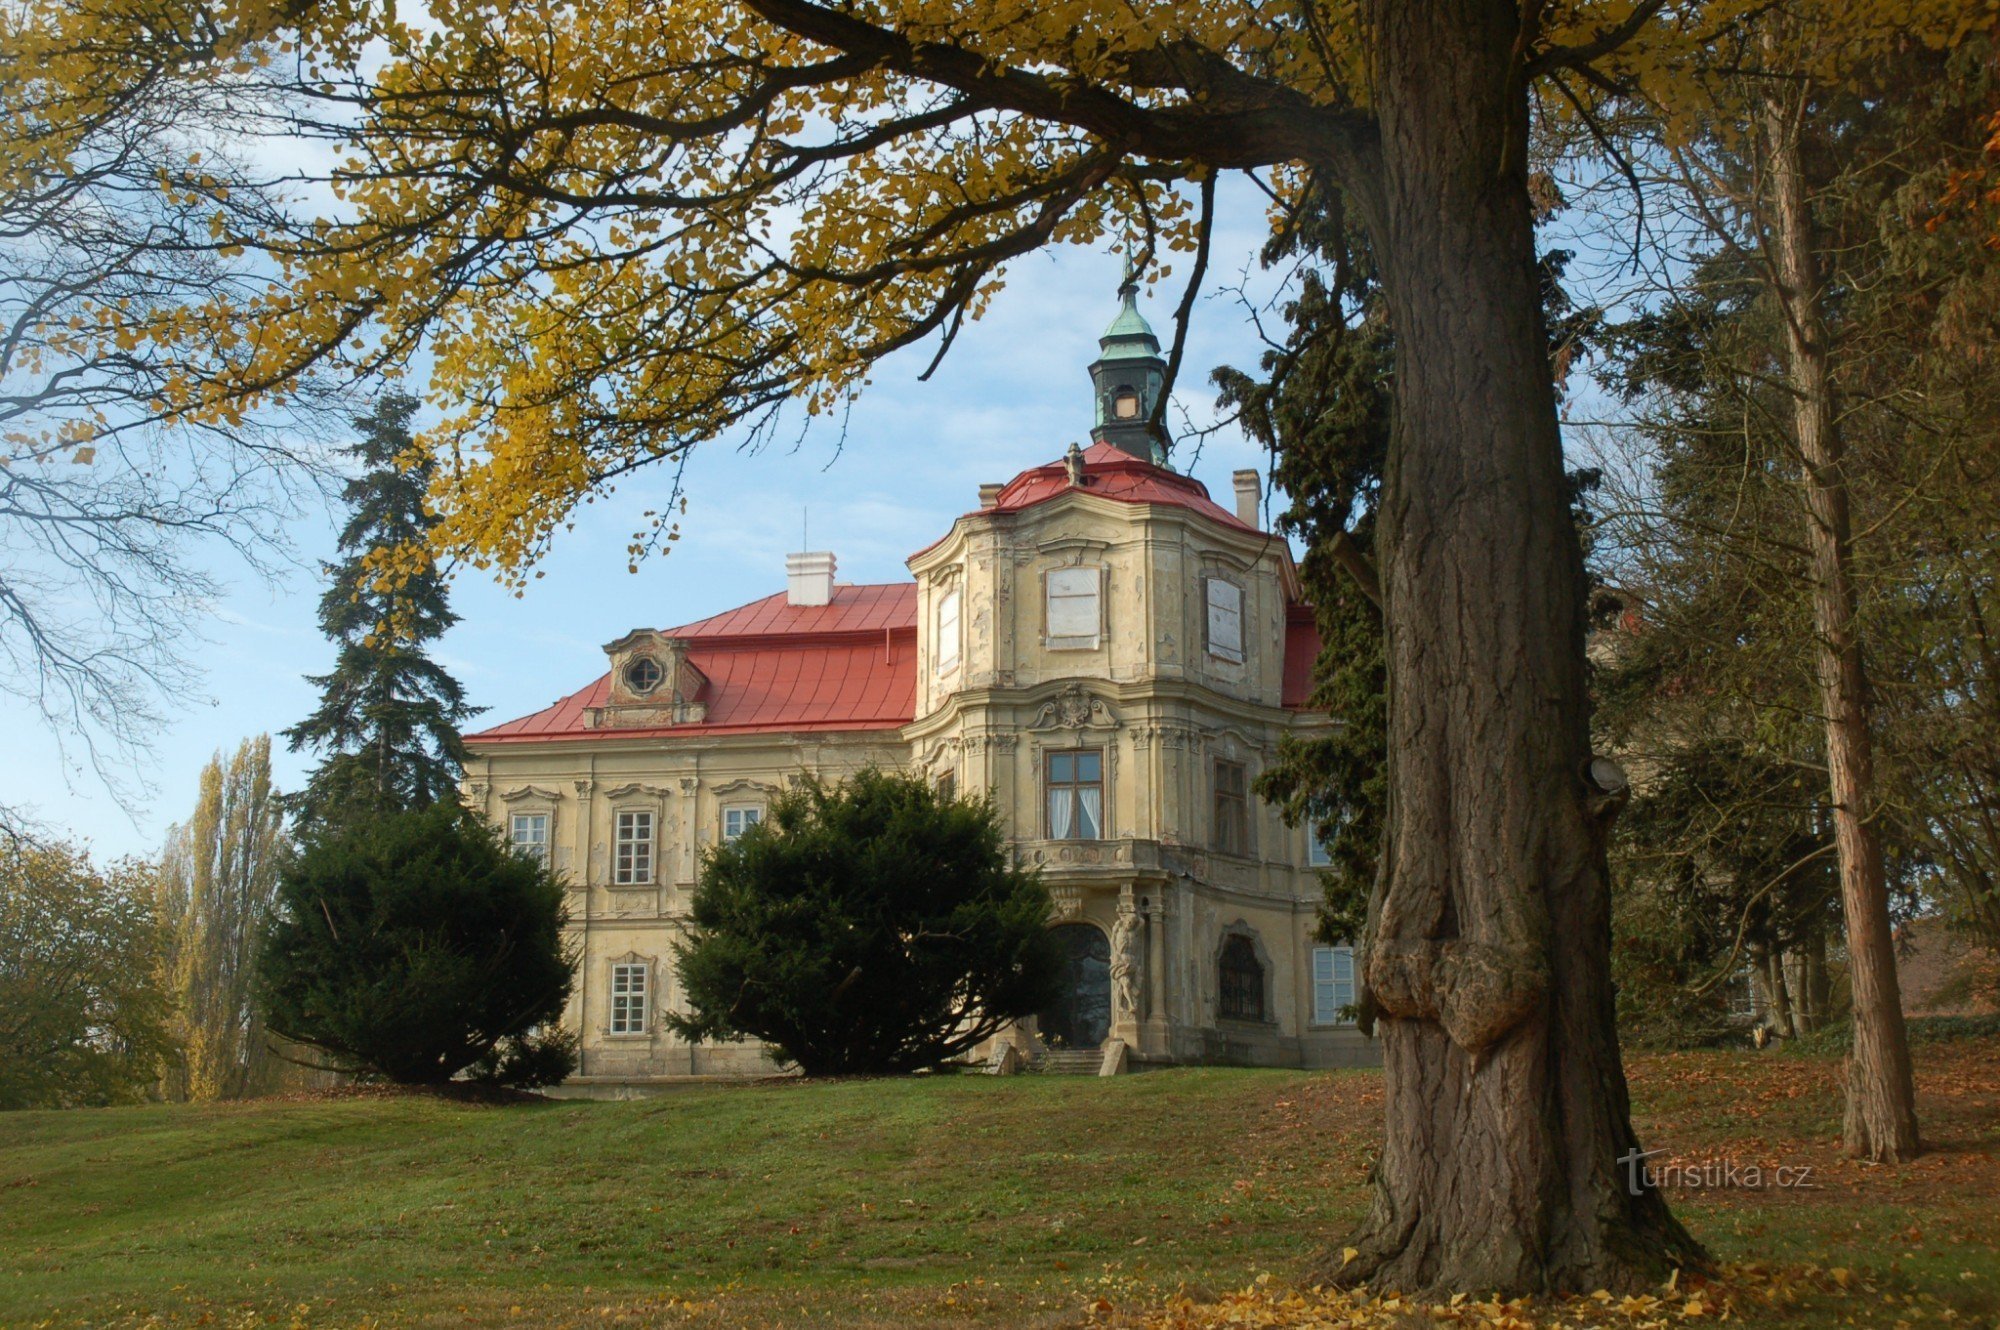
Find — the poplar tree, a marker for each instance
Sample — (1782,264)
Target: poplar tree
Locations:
(219,881)
(388,721)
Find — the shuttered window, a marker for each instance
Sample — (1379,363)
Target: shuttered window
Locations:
(1075,611)
(947,632)
(1225,620)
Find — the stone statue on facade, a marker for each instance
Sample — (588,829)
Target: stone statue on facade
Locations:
(1125,964)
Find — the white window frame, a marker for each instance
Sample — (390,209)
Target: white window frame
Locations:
(631,998)
(535,846)
(1318,855)
(746,816)
(632,853)
(948,631)
(1066,592)
(1333,991)
(1222,619)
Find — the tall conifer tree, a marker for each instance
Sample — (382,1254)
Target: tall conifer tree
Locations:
(389,716)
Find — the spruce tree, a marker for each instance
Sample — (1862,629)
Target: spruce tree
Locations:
(389,717)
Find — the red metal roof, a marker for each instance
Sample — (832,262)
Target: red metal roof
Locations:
(852,664)
(853,609)
(772,666)
(1109,473)
(1113,473)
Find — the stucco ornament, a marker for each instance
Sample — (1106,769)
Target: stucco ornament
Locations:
(1075,708)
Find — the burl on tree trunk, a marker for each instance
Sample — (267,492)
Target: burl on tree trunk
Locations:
(1508,1158)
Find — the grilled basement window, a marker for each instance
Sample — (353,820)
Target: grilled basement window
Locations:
(1242,980)
(1232,810)
(628,997)
(633,860)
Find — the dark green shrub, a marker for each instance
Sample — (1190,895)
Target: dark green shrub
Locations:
(409,945)
(869,926)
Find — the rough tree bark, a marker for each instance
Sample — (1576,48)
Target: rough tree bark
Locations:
(1508,1138)
(1881,1117)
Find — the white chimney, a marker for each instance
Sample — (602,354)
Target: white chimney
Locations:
(1248,495)
(809,578)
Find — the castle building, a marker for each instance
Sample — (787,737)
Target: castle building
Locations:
(1109,652)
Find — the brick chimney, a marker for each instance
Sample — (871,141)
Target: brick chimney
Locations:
(809,578)
(1248,495)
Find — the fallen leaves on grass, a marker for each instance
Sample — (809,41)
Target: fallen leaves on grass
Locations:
(1274,1306)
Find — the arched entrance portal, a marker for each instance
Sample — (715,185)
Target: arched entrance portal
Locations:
(1081,1018)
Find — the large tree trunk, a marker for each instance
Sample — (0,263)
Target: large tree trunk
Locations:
(1881,1118)
(1509,1151)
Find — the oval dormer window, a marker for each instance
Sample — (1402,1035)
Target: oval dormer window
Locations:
(1125,405)
(643,675)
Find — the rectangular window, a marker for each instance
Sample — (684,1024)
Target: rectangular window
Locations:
(1333,985)
(628,997)
(1225,620)
(1317,854)
(1076,794)
(947,632)
(530,833)
(633,860)
(947,787)
(736,821)
(1075,619)
(1232,810)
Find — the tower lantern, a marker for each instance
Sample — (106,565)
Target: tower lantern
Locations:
(1128,376)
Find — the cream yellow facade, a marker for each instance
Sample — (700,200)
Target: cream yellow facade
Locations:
(1110,655)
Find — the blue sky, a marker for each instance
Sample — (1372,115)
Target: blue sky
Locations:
(1013,394)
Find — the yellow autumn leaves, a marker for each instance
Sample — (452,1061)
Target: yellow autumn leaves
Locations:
(617,229)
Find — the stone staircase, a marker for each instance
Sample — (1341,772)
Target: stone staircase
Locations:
(1071,1062)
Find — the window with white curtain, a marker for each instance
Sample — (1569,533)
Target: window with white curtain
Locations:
(947,632)
(1075,613)
(629,981)
(1333,985)
(1225,620)
(1075,781)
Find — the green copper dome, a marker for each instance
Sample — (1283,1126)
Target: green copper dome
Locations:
(1129,337)
(1127,379)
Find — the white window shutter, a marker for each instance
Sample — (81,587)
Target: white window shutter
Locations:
(1225,619)
(947,632)
(1073,611)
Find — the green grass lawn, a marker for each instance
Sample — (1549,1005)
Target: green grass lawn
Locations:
(1020,1201)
